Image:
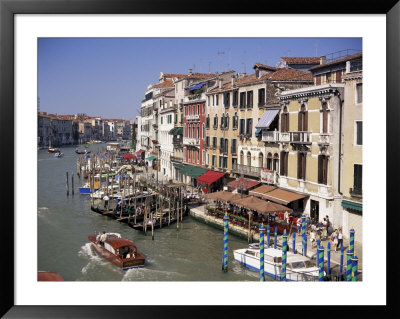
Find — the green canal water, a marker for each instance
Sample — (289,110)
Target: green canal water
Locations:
(194,253)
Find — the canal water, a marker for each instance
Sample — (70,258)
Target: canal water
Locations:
(194,253)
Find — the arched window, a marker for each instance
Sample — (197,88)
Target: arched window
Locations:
(215,121)
(303,119)
(208,121)
(269,161)
(248,159)
(227,121)
(235,120)
(261,160)
(204,131)
(276,162)
(198,131)
(222,121)
(324,118)
(241,158)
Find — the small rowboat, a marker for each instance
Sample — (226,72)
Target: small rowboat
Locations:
(119,251)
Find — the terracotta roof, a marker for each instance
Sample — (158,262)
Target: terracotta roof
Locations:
(288,74)
(263,66)
(347,58)
(174,75)
(166,83)
(200,75)
(301,60)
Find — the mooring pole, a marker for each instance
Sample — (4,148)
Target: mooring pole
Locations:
(66,184)
(262,277)
(72,183)
(284,255)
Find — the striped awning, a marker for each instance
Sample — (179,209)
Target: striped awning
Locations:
(150,158)
(352,205)
(267,118)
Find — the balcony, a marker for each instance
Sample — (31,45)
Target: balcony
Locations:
(246,170)
(270,136)
(324,139)
(284,137)
(194,117)
(300,137)
(191,141)
(356,192)
(176,159)
(195,97)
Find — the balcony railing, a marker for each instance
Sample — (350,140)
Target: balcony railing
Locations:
(176,159)
(191,141)
(192,117)
(270,136)
(300,137)
(246,170)
(284,137)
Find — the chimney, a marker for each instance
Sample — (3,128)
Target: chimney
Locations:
(322,60)
(190,71)
(233,80)
(220,83)
(241,75)
(257,73)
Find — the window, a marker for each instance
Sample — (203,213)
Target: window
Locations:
(221,144)
(215,121)
(249,126)
(217,99)
(242,126)
(301,165)
(235,121)
(248,159)
(227,121)
(285,121)
(214,160)
(324,118)
(226,99)
(276,161)
(208,121)
(260,160)
(181,118)
(241,158)
(223,121)
(198,109)
(204,130)
(161,119)
(269,161)
(359,92)
(235,98)
(261,97)
(358,132)
(303,119)
(322,169)
(226,146)
(357,186)
(249,99)
(214,142)
(207,141)
(234,146)
(284,163)
(242,100)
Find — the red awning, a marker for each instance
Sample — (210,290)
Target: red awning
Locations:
(139,152)
(209,177)
(243,182)
(128,156)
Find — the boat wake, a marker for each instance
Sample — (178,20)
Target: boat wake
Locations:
(94,260)
(137,274)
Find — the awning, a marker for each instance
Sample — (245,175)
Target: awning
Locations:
(282,196)
(224,196)
(261,206)
(139,152)
(267,118)
(128,156)
(150,158)
(210,177)
(258,131)
(178,166)
(172,131)
(192,171)
(352,205)
(179,131)
(259,191)
(245,183)
(195,87)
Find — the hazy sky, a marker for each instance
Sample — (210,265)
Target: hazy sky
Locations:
(107,77)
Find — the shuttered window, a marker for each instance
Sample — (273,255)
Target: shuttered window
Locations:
(339,76)
(359,132)
(359,92)
(322,169)
(301,166)
(324,118)
(284,163)
(303,119)
(357,178)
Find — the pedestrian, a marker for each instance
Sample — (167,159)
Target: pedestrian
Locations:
(105,198)
(340,239)
(313,238)
(287,217)
(334,239)
(324,229)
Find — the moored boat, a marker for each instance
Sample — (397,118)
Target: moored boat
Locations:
(119,251)
(298,267)
(49,276)
(53,150)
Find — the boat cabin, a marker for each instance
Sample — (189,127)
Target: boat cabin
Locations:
(123,248)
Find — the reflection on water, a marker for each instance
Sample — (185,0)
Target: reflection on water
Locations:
(194,253)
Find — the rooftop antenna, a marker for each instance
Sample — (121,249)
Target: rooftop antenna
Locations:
(220,60)
(229,59)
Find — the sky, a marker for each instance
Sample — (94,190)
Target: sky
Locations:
(107,77)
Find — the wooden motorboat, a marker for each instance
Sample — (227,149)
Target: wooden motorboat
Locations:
(119,251)
(299,268)
(53,150)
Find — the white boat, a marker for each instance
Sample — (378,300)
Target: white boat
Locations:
(298,267)
(58,155)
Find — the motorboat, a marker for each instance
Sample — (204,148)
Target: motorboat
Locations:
(53,150)
(85,189)
(119,251)
(59,154)
(85,151)
(298,267)
(49,276)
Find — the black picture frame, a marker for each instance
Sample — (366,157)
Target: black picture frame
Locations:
(9,8)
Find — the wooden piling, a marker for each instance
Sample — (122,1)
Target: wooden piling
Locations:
(72,183)
(66,184)
(152,225)
(169,209)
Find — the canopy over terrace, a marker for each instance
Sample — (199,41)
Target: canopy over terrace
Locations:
(210,177)
(245,183)
(282,196)
(260,206)
(259,191)
(224,196)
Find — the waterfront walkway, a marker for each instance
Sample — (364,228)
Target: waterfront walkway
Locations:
(199,214)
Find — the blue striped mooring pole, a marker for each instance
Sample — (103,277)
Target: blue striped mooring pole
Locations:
(262,277)
(320,260)
(318,244)
(284,255)
(305,244)
(349,253)
(351,247)
(328,254)
(354,268)
(275,236)
(268,235)
(294,243)
(341,262)
(225,253)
